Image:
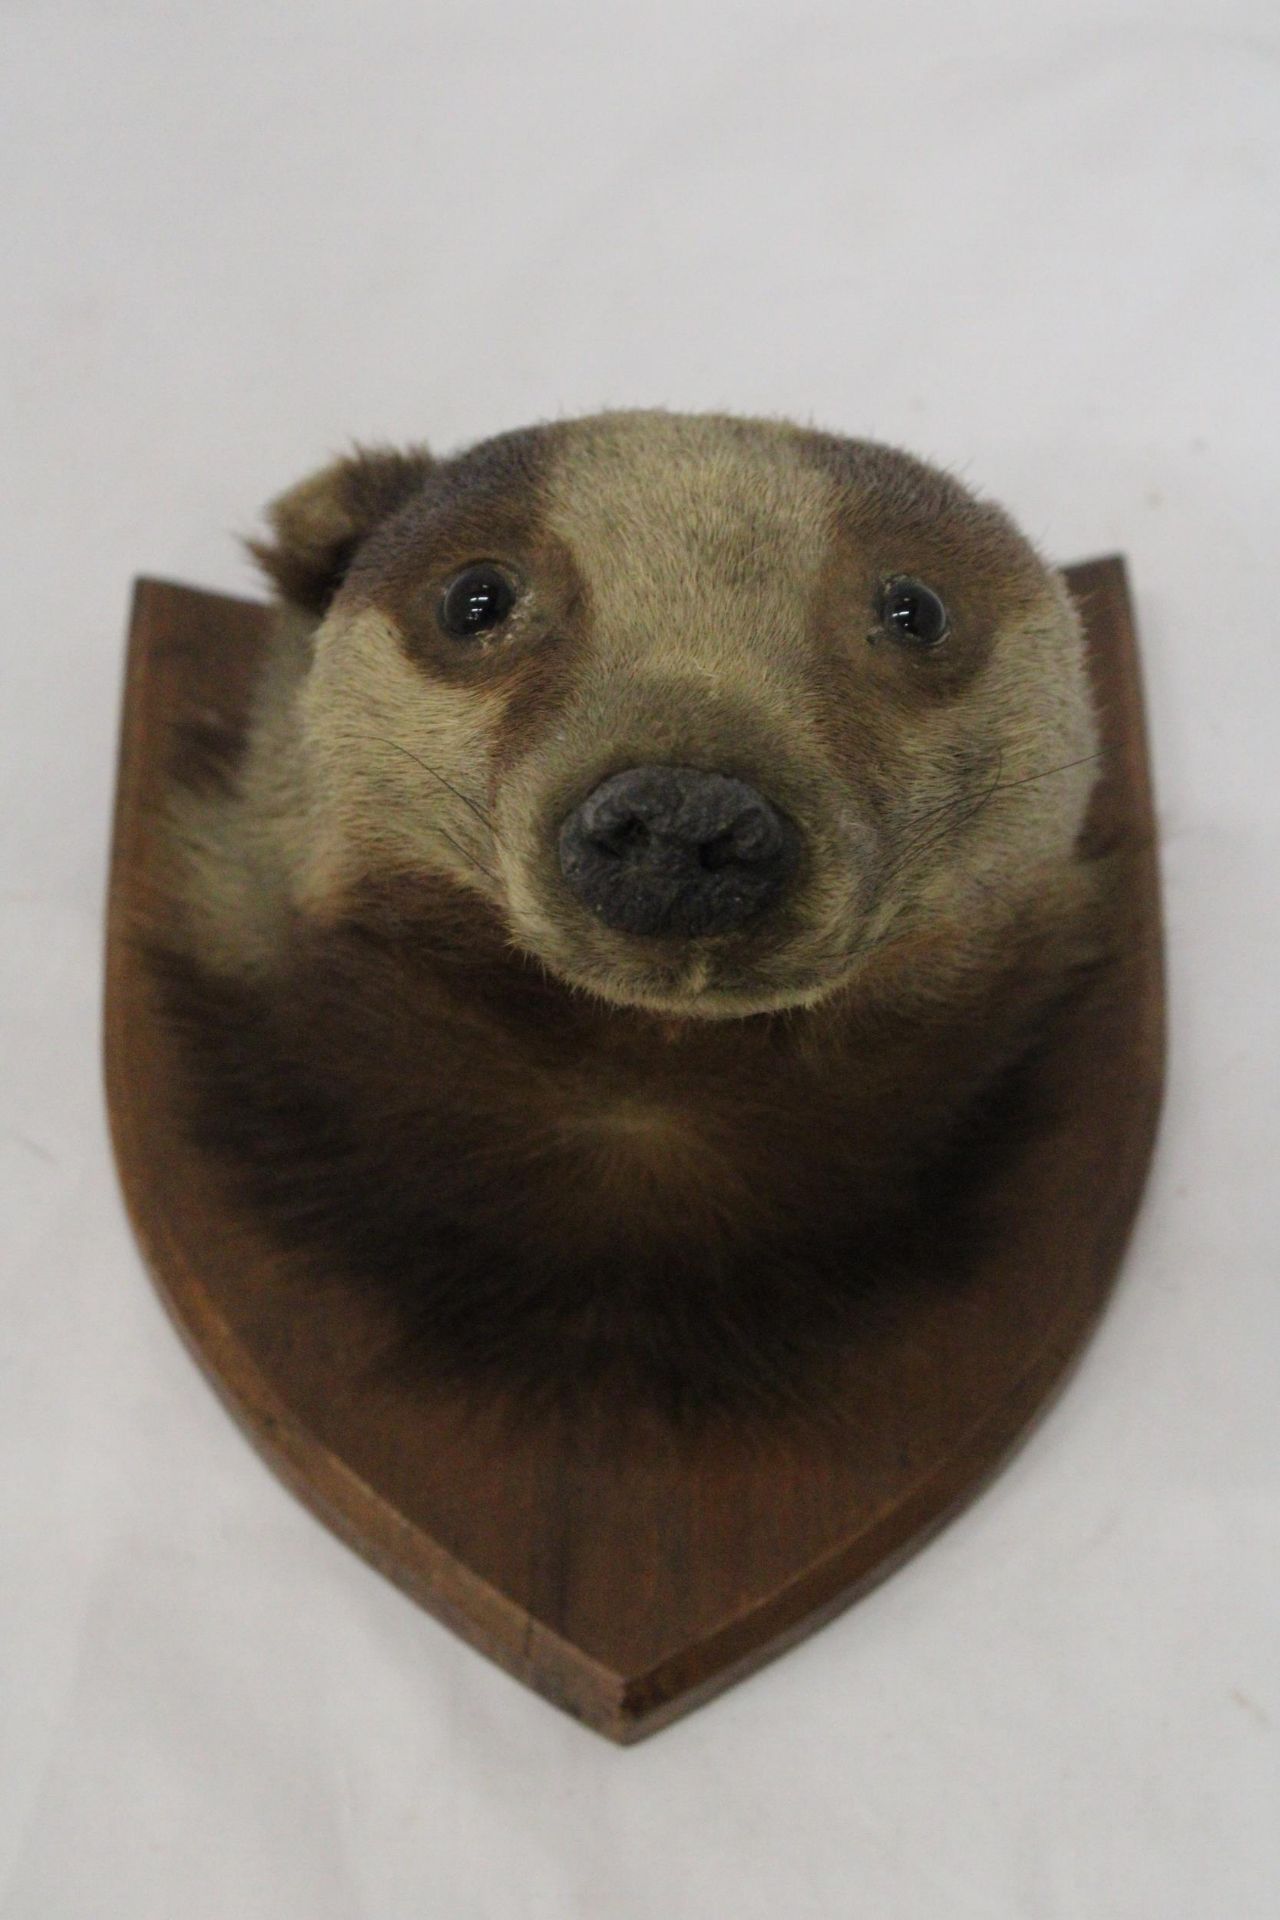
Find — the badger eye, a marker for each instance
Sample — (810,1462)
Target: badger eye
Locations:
(913,612)
(476,599)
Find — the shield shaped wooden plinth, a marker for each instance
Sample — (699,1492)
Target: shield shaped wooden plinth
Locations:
(631,1582)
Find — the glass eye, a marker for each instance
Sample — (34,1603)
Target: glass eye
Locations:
(913,612)
(477,599)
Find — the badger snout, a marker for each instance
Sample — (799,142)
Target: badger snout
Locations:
(672,850)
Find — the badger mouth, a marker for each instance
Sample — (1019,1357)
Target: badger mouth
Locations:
(695,993)
(778,965)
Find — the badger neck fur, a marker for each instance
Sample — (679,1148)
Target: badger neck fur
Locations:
(652,864)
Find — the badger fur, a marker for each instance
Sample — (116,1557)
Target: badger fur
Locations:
(459,1036)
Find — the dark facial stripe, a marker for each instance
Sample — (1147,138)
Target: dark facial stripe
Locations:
(486,504)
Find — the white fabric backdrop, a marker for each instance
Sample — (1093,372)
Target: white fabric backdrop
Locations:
(1040,243)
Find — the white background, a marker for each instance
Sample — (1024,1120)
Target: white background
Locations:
(1037,243)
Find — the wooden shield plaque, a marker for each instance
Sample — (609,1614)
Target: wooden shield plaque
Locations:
(631,1582)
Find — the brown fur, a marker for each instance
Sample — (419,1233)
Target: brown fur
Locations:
(567,1155)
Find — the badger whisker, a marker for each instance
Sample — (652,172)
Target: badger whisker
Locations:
(955,814)
(467,855)
(379,740)
(1029,779)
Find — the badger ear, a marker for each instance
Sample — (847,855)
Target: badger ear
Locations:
(318,524)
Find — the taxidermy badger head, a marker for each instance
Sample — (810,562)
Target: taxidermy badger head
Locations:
(654,851)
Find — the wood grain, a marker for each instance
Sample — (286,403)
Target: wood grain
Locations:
(629,1583)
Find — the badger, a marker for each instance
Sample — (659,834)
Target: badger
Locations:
(654,862)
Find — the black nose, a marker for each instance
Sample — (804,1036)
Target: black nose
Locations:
(671,850)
